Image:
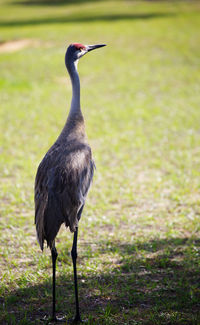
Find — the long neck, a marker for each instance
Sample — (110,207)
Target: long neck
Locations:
(74,126)
(75,108)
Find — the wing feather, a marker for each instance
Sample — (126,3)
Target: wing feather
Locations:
(62,182)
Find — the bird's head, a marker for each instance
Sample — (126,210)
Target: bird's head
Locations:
(76,50)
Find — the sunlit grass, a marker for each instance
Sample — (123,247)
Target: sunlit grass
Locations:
(139,234)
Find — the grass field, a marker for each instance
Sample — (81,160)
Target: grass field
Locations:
(139,246)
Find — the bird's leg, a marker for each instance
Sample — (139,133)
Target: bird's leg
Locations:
(53,318)
(54,255)
(74,257)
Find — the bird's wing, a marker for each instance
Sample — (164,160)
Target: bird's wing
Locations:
(76,180)
(60,191)
(48,212)
(41,198)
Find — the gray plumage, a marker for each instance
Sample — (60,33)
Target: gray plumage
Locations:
(66,171)
(64,176)
(62,182)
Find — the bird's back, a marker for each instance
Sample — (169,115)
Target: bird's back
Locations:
(62,182)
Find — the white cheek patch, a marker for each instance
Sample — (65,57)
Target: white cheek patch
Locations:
(81,53)
(76,63)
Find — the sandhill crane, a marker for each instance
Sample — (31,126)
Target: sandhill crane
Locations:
(64,176)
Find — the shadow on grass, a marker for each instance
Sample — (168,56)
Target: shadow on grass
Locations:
(66,2)
(82,19)
(156,282)
(49,2)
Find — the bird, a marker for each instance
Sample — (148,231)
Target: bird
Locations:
(64,177)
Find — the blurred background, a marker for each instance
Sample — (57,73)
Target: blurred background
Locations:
(139,234)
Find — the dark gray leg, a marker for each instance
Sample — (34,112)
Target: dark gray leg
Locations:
(53,318)
(74,257)
(54,255)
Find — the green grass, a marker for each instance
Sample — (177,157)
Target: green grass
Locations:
(139,247)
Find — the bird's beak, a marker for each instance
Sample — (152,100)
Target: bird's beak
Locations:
(93,47)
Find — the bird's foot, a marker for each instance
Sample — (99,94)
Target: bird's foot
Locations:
(53,319)
(77,319)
